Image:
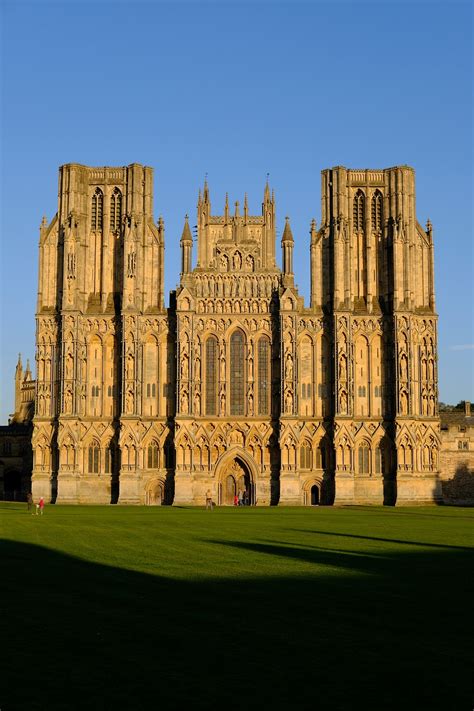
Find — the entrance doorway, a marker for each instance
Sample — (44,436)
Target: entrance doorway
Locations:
(155,494)
(236,479)
(315,495)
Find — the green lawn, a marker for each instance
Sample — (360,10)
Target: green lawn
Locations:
(326,608)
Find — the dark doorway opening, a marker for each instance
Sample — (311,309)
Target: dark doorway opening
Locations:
(237,480)
(315,495)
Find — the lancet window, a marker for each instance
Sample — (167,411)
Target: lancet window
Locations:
(211,376)
(237,374)
(305,456)
(97,210)
(364,457)
(94,458)
(377,211)
(115,210)
(264,376)
(153,456)
(358,214)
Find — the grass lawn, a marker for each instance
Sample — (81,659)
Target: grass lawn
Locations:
(326,608)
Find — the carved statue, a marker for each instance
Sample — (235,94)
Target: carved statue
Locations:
(289,367)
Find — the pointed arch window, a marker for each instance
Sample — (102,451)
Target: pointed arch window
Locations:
(97,210)
(94,458)
(211,376)
(305,456)
(358,214)
(153,456)
(237,373)
(115,210)
(264,376)
(377,211)
(364,457)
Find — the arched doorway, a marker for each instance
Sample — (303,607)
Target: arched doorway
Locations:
(236,478)
(315,495)
(155,493)
(12,485)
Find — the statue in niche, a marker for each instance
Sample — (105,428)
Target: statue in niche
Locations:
(342,368)
(254,307)
(250,404)
(197,404)
(403,368)
(219,307)
(404,403)
(68,402)
(220,290)
(184,402)
(222,367)
(227,286)
(233,288)
(289,402)
(289,367)
(130,364)
(69,367)
(237,261)
(184,367)
(254,287)
(250,361)
(343,403)
(249,263)
(224,262)
(197,368)
(222,404)
(129,402)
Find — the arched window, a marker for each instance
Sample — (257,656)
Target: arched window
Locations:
(305,456)
(364,457)
(264,376)
(358,214)
(97,209)
(377,211)
(153,456)
(115,210)
(211,376)
(237,373)
(94,458)
(109,459)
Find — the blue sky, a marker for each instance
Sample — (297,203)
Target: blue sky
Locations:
(236,91)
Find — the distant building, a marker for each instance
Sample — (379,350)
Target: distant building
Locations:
(16,457)
(457,455)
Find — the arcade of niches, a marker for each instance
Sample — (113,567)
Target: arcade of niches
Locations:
(237,386)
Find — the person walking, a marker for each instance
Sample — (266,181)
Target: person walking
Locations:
(29,500)
(208,500)
(41,505)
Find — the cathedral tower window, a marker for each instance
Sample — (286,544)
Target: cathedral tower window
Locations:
(264,376)
(211,376)
(377,211)
(115,210)
(97,210)
(358,214)
(94,458)
(237,373)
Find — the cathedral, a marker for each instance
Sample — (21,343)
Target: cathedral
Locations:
(237,385)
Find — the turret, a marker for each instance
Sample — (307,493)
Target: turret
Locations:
(18,382)
(186,243)
(287,243)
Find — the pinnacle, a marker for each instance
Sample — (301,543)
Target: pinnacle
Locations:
(186,235)
(287,233)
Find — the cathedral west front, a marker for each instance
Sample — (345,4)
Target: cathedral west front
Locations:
(237,385)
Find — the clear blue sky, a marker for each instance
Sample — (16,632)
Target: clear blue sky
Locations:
(239,90)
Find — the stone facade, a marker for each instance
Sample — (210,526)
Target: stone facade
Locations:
(237,385)
(457,456)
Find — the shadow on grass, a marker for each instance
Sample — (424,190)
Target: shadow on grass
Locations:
(390,635)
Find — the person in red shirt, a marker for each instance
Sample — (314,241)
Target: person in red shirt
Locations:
(41,505)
